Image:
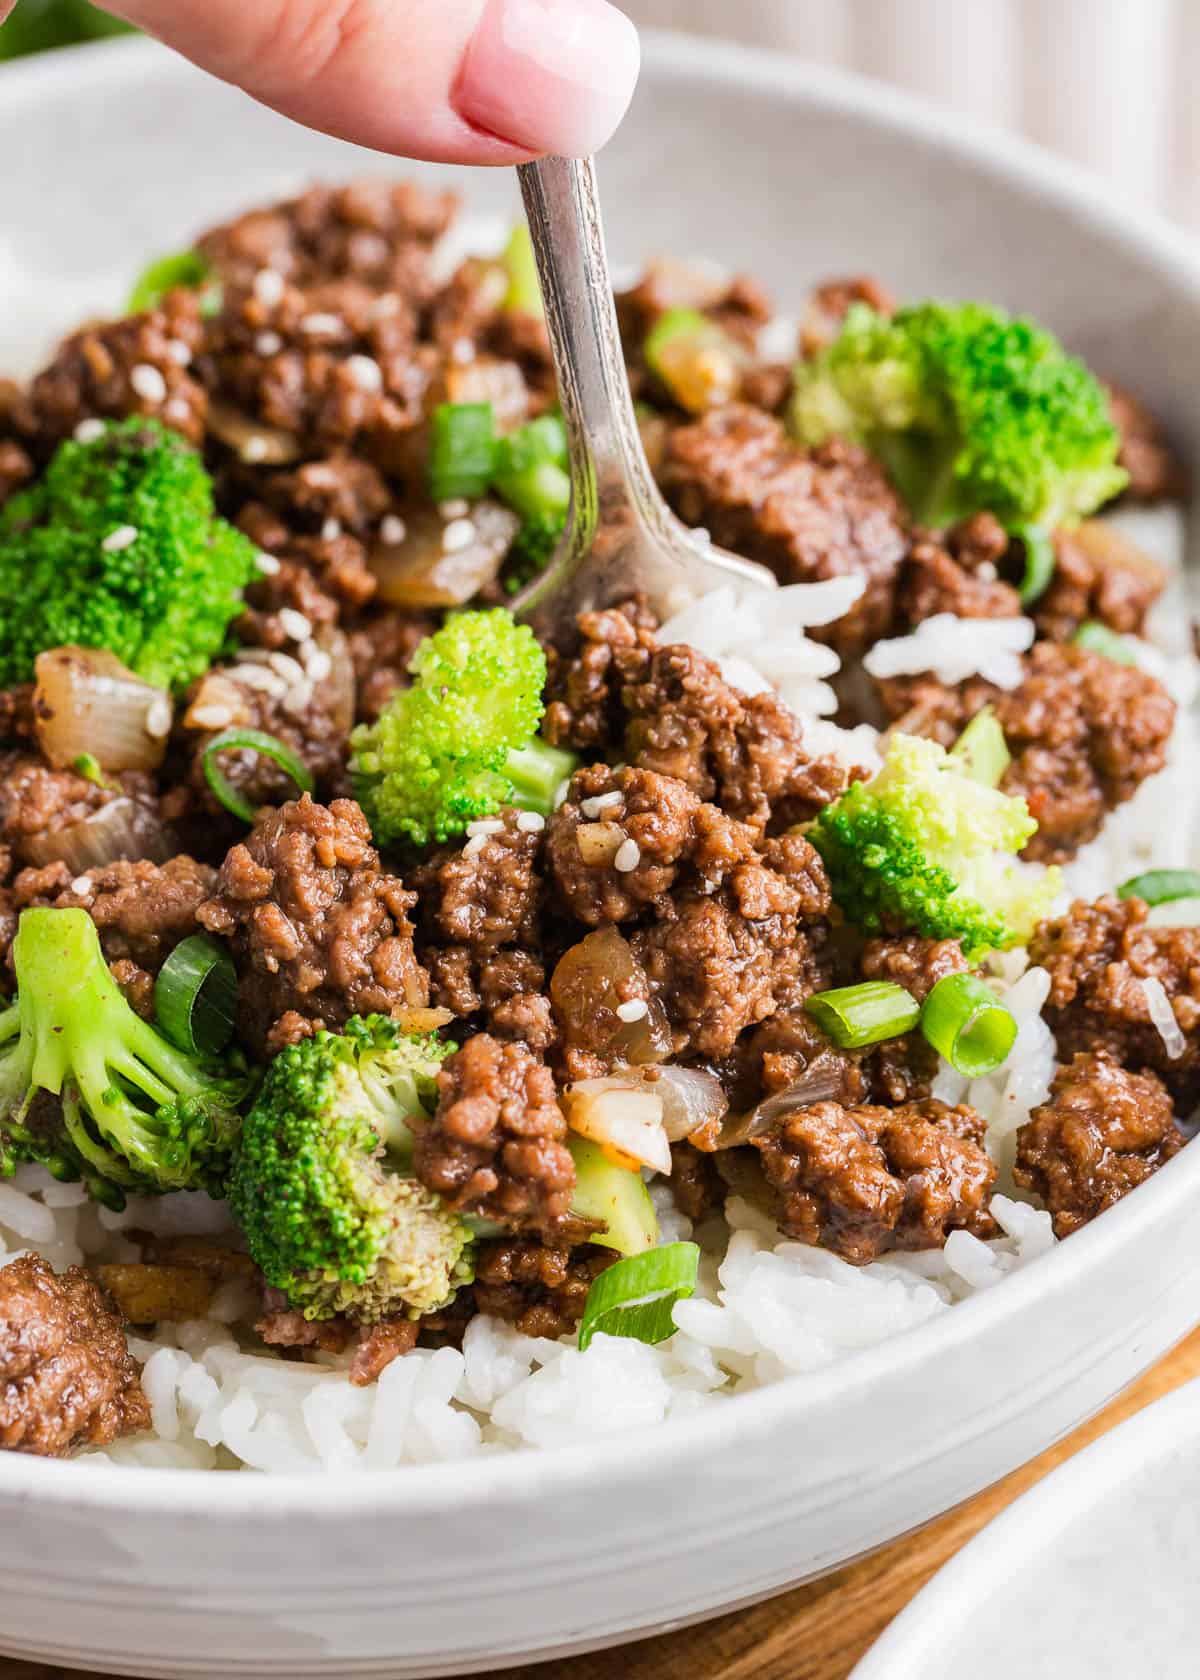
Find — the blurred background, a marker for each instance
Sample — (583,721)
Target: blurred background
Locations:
(1109,83)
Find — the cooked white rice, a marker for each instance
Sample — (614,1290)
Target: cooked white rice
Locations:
(764,1308)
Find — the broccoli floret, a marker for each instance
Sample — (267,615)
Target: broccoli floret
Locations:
(117,547)
(461,741)
(970,409)
(136,1114)
(925,845)
(316,1189)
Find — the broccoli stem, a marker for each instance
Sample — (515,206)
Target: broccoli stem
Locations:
(537,771)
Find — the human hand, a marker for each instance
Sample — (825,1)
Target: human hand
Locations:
(460,81)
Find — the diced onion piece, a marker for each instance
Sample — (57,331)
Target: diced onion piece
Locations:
(1175,912)
(1161,1013)
(422,1020)
(195,995)
(253,441)
(88,704)
(124,828)
(338,690)
(966,1023)
(590,982)
(421,572)
(821,1083)
(696,360)
(624,1116)
(1161,886)
(691,1098)
(487,379)
(853,1016)
(599,842)
(636,1297)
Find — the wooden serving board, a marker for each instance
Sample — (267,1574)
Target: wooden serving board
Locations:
(820,1631)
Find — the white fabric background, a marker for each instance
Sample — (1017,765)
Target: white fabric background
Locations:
(1114,84)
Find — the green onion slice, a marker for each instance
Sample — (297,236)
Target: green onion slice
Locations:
(189,269)
(524,295)
(636,1297)
(540,490)
(1160,886)
(462,451)
(967,1024)
(1040,561)
(1098,638)
(981,752)
(543,439)
(195,995)
(865,1014)
(249,740)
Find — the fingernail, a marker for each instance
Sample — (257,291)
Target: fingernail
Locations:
(550,75)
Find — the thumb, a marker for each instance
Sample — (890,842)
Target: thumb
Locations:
(459,81)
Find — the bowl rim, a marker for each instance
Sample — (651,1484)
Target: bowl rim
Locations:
(1029,1528)
(475,1481)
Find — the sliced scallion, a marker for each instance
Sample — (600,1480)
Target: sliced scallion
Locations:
(462,451)
(853,1016)
(249,740)
(981,752)
(1160,886)
(188,269)
(636,1297)
(1098,638)
(524,295)
(966,1023)
(1040,561)
(195,995)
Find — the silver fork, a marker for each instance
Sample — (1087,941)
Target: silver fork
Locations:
(621,537)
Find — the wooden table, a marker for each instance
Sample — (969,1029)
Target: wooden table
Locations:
(820,1631)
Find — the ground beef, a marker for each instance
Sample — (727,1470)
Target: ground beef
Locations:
(16,468)
(67,1379)
(496,1146)
(1083,731)
(340,487)
(1155,472)
(323,575)
(805,514)
(140,364)
(736,303)
(38,805)
(1097,956)
(381,648)
(863,1180)
(317,928)
(377,232)
(935,579)
(1099,575)
(696,1185)
(651,834)
(829,304)
(912,962)
(539,1289)
(720,963)
(1101,1134)
(17,713)
(486,894)
(583,691)
(790,1051)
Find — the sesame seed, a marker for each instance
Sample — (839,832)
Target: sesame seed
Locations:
(257,676)
(298,698)
(331,530)
(987,571)
(268,343)
(254,448)
(474,845)
(88,431)
(365,372)
(178,411)
(211,717)
(635,1010)
(393,529)
(459,534)
(289,669)
(321,321)
(81,885)
(268,287)
(530,822)
(387,304)
(318,664)
(320,474)
(485,826)
(294,624)
(123,537)
(179,352)
(157,721)
(601,802)
(148,383)
(462,351)
(267,564)
(629,855)
(457,509)
(561,792)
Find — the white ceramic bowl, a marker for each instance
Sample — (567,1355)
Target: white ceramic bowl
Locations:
(1089,1576)
(118,151)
